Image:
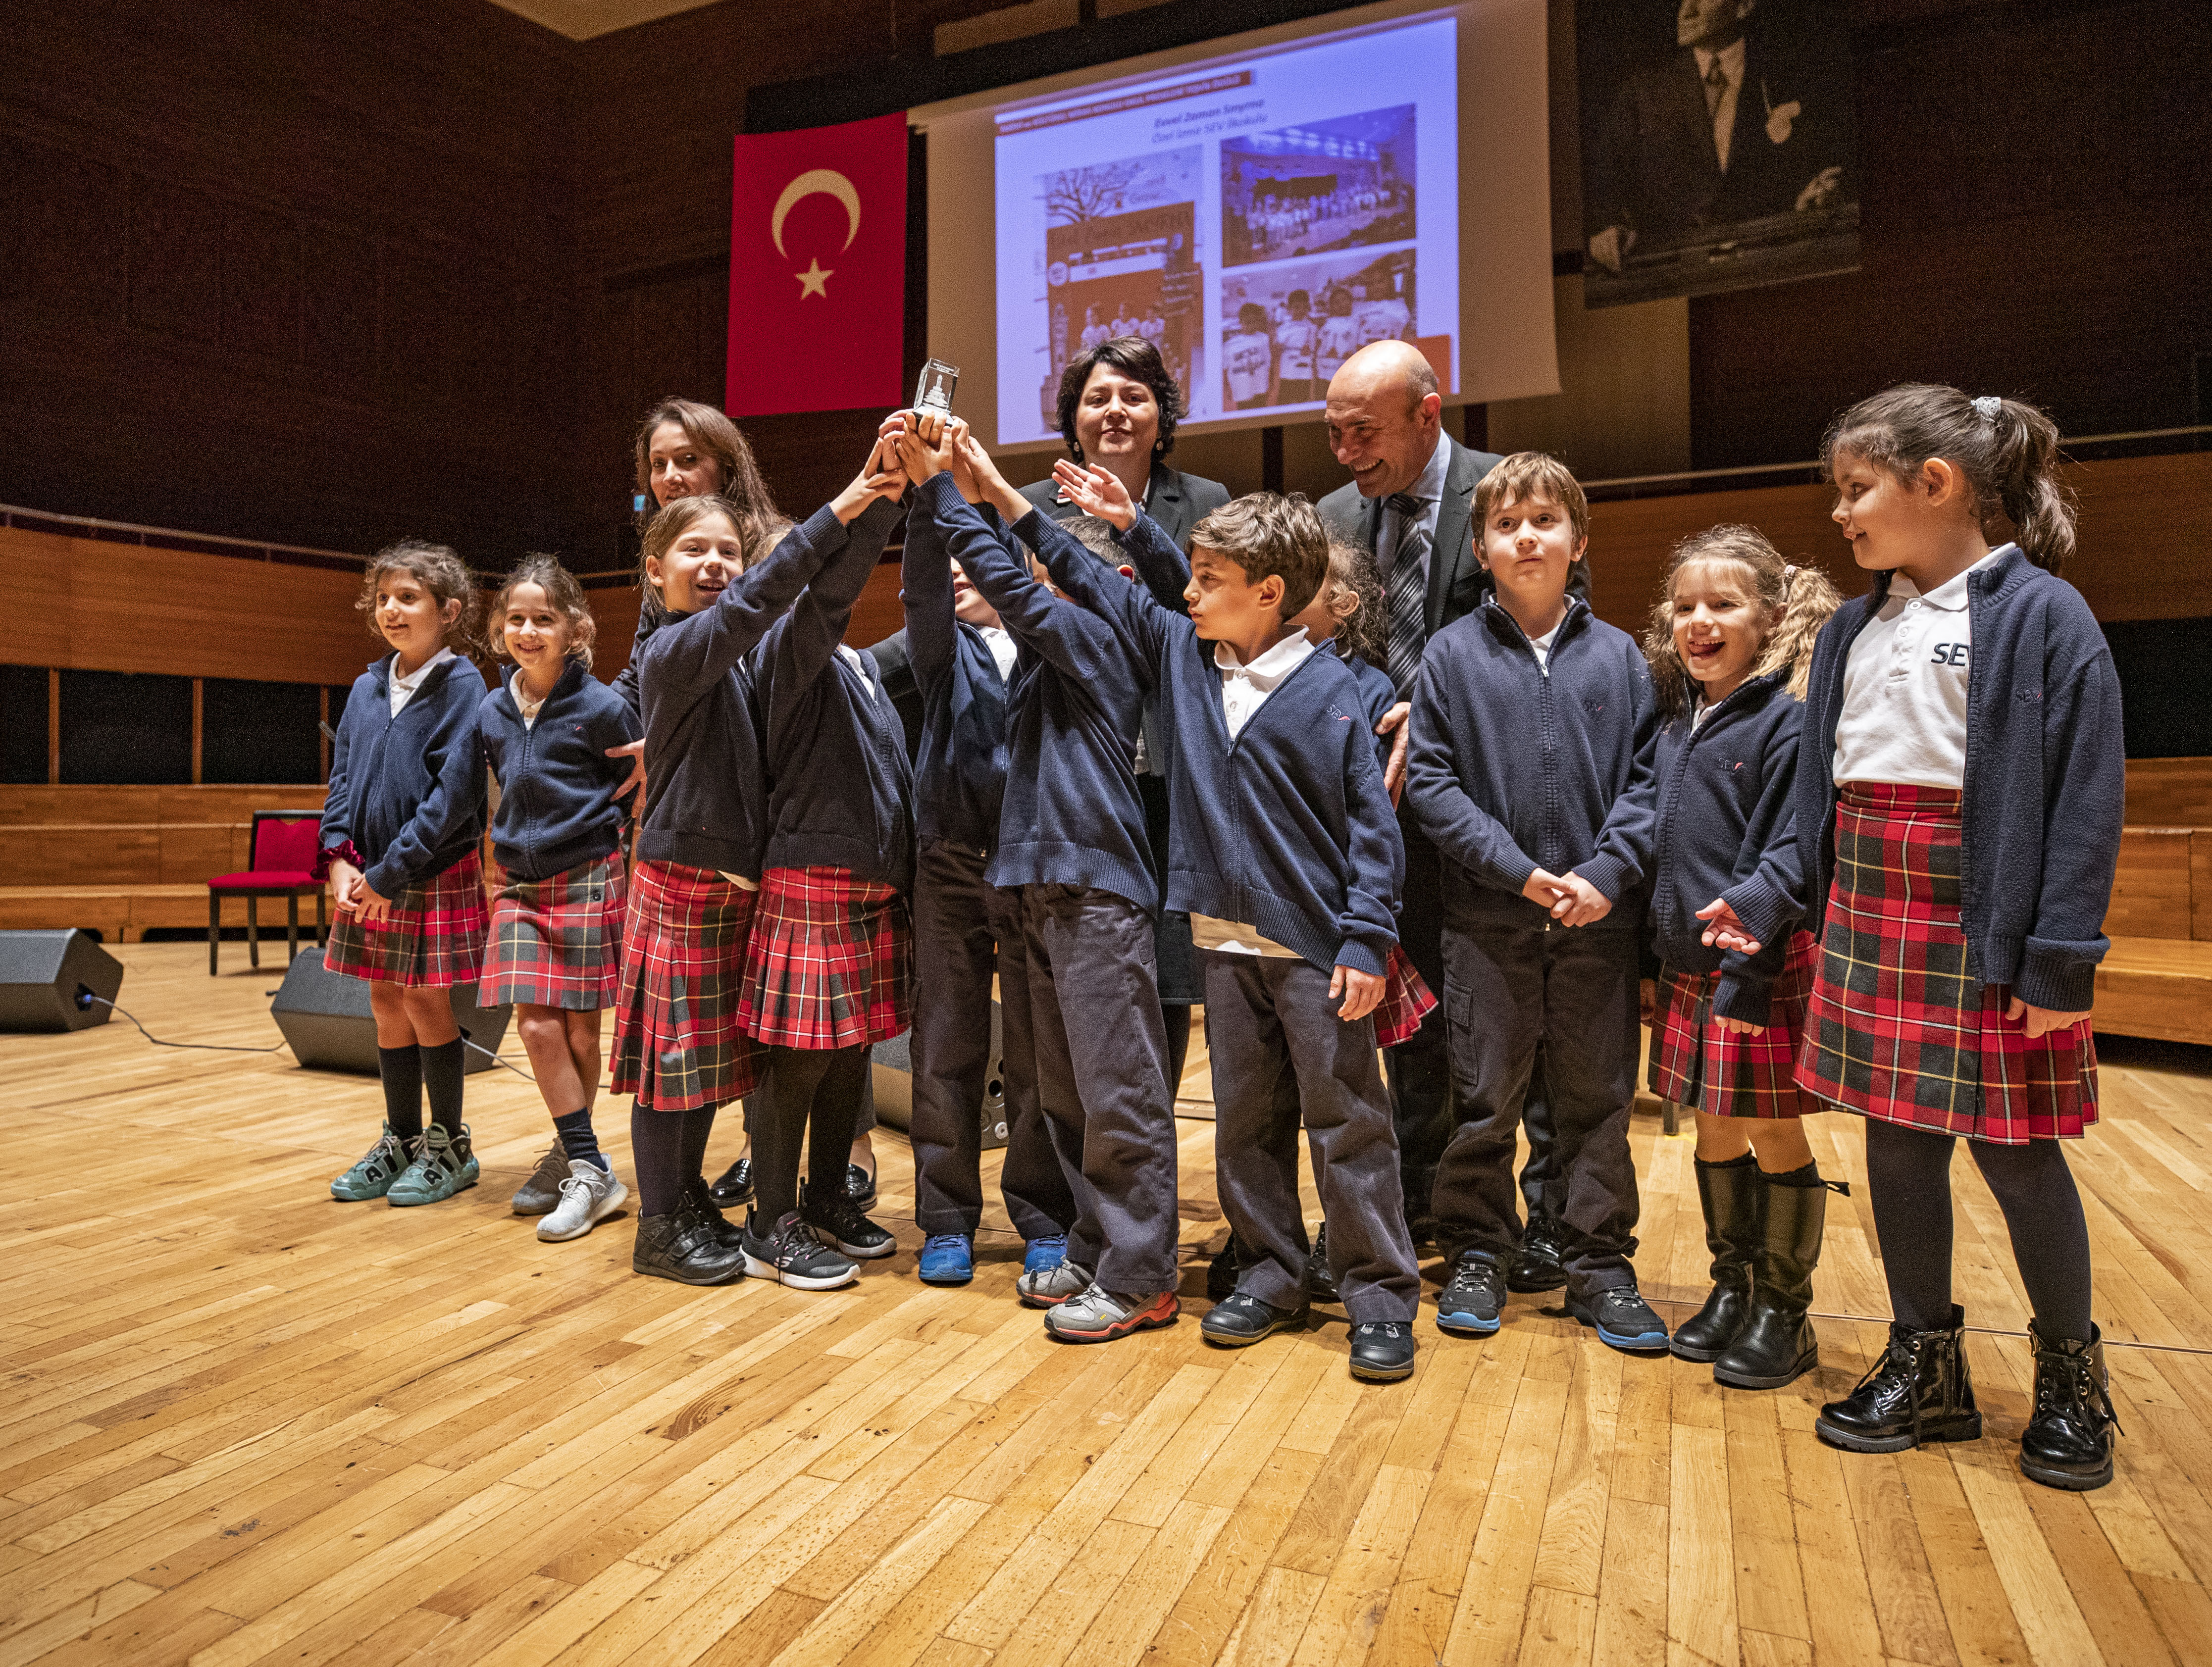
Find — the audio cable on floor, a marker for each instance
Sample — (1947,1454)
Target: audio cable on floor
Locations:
(85,998)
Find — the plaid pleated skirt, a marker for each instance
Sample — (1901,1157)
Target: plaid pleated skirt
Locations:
(1725,1073)
(677,1043)
(558,942)
(832,962)
(1406,1000)
(1896,1027)
(434,937)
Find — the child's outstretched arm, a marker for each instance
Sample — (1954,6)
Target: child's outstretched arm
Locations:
(1159,561)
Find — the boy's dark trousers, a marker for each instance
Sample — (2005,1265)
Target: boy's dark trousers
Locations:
(1279,1054)
(964,930)
(1507,989)
(1102,1079)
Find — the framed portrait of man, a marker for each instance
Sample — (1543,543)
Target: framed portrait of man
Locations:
(1718,146)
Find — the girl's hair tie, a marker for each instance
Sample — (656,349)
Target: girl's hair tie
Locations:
(1987,407)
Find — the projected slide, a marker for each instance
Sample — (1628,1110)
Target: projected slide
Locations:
(1258,219)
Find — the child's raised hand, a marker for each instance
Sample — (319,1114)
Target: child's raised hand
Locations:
(963,472)
(2041,1021)
(1096,492)
(1723,930)
(991,485)
(1362,991)
(881,476)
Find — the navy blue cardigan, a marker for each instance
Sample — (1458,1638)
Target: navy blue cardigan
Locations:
(1725,830)
(839,779)
(408,792)
(558,807)
(1072,815)
(960,768)
(1515,765)
(2045,783)
(1286,828)
(705,788)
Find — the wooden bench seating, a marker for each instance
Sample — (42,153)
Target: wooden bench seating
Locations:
(2156,979)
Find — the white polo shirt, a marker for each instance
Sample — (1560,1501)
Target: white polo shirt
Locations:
(402,688)
(1904,719)
(1244,689)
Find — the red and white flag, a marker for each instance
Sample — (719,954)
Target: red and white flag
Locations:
(817,269)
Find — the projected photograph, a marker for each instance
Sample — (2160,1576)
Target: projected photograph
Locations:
(1285,329)
(1121,260)
(1321,186)
(1718,146)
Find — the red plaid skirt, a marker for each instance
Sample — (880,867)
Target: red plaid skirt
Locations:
(831,963)
(677,1044)
(1725,1073)
(434,937)
(558,942)
(1897,1027)
(1406,1000)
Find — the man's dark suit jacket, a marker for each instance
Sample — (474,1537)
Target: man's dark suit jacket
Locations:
(1456,581)
(1177,501)
(1656,171)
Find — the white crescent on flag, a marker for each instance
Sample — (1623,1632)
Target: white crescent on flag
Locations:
(830,183)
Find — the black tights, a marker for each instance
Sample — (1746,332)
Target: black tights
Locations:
(1909,1176)
(810,1095)
(667,1149)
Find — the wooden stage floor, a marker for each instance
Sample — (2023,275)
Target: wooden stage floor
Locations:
(244,1423)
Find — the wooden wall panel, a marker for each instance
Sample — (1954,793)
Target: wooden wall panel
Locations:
(2170,792)
(2150,891)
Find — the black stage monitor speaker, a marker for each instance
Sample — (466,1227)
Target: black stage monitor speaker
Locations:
(893,1081)
(326,1018)
(47,979)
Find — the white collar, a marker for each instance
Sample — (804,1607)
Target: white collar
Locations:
(1951,595)
(1275,664)
(413,679)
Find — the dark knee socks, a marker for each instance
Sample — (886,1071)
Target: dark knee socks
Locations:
(810,1093)
(656,1146)
(833,1121)
(441,1076)
(401,1068)
(1909,1176)
(577,1139)
(698,1125)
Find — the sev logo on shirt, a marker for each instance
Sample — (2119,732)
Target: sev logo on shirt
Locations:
(1950,653)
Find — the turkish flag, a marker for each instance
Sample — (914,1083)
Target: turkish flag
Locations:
(817,269)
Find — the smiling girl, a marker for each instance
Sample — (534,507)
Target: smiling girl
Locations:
(556,920)
(400,829)
(1730,645)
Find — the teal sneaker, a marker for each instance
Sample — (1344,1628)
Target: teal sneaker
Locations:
(443,1166)
(372,1178)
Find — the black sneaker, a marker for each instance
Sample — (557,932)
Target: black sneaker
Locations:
(1539,1264)
(1623,1320)
(860,1186)
(679,1246)
(790,1252)
(1239,1318)
(1320,1283)
(1473,1301)
(840,1225)
(1383,1351)
(1221,1272)
(736,1185)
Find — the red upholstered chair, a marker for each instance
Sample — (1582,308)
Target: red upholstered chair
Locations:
(283,852)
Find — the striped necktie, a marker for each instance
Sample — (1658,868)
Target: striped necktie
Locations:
(1408,586)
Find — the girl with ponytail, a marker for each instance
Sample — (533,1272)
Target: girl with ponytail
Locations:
(1730,646)
(1959,814)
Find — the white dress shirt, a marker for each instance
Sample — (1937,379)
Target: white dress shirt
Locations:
(1003,651)
(402,688)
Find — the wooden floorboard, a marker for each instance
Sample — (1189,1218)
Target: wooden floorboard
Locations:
(243,1423)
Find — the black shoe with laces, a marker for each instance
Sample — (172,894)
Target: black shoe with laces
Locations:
(1320,1283)
(1383,1351)
(1622,1318)
(696,1202)
(860,1186)
(840,1225)
(788,1251)
(736,1185)
(2067,1442)
(679,1246)
(1473,1301)
(1540,1262)
(1919,1391)
(1239,1318)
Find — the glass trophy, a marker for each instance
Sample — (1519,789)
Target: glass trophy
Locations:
(934,392)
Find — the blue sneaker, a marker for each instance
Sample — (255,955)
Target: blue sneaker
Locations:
(947,1259)
(1472,1300)
(1043,1255)
(1623,1320)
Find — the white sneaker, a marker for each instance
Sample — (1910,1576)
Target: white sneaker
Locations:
(588,1197)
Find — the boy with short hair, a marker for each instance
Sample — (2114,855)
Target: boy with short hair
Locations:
(1071,841)
(1532,768)
(1286,853)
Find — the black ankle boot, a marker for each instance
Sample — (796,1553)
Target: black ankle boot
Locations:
(695,1203)
(1734,1199)
(1919,1390)
(2068,1442)
(1777,1345)
(682,1247)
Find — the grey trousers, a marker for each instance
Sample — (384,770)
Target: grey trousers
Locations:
(1102,1079)
(964,931)
(1281,1056)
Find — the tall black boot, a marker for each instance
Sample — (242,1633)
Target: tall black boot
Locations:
(1919,1390)
(2069,1442)
(1777,1345)
(1733,1197)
